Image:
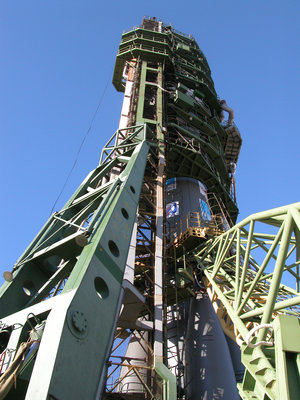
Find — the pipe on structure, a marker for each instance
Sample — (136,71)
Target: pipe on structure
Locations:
(231,170)
(224,107)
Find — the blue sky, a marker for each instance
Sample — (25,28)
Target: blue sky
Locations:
(58,58)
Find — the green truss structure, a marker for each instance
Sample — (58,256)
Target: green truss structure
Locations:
(81,297)
(250,271)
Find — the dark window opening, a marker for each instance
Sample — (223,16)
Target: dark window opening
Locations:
(152,64)
(150,102)
(151,76)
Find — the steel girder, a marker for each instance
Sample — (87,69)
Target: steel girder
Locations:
(68,283)
(252,277)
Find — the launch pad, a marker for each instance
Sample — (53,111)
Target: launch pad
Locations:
(143,286)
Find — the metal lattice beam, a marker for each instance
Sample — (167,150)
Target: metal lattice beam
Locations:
(252,276)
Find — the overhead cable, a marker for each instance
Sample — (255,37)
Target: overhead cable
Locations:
(81,145)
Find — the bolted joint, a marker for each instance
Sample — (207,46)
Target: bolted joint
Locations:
(79,321)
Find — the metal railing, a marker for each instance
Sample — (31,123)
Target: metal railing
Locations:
(193,224)
(148,36)
(137,46)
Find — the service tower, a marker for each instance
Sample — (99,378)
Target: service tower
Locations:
(142,286)
(187,197)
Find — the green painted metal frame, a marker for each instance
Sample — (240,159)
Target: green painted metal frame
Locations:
(92,234)
(134,44)
(169,381)
(97,280)
(255,292)
(123,140)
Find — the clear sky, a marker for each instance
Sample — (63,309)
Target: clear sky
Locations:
(57,58)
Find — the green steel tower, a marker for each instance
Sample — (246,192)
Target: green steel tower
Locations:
(142,286)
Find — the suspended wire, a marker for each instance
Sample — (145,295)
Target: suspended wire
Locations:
(81,145)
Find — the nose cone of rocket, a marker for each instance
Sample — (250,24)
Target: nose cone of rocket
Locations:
(209,370)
